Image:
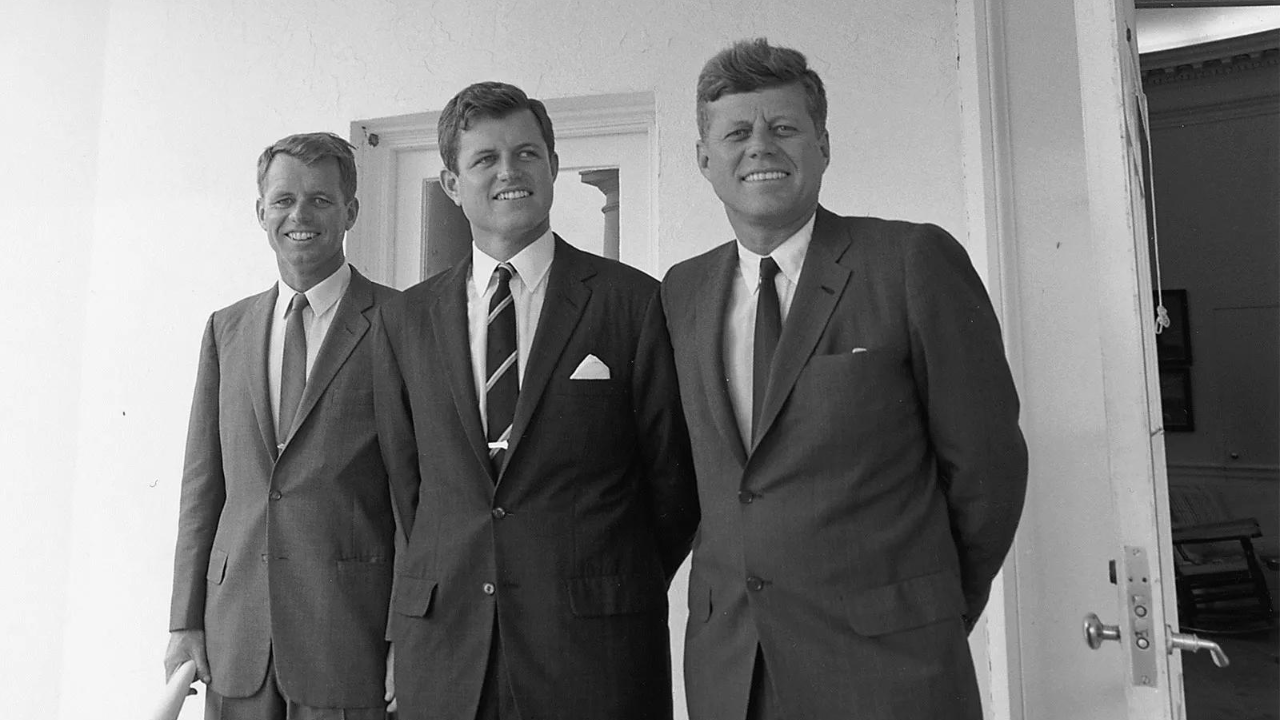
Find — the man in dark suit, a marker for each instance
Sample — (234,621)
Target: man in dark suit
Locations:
(540,468)
(282,575)
(854,427)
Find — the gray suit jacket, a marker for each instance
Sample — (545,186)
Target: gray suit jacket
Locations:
(866,523)
(288,552)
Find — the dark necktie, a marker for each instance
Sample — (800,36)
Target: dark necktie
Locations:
(768,328)
(293,371)
(502,384)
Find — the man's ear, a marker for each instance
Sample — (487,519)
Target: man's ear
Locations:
(824,144)
(261,211)
(449,181)
(704,160)
(555,165)
(353,211)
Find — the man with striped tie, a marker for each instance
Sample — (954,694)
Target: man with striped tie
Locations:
(530,422)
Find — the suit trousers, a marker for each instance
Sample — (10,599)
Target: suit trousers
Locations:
(763,702)
(268,703)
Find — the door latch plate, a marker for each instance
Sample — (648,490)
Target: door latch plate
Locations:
(1137,584)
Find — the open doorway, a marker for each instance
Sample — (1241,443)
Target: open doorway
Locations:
(1212,82)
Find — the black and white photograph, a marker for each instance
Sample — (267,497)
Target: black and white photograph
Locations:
(659,360)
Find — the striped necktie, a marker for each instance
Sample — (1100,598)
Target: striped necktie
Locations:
(502,384)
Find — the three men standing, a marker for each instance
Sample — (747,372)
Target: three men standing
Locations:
(850,416)
(530,419)
(854,427)
(282,575)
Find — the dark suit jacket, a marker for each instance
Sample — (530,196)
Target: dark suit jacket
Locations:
(567,553)
(879,500)
(287,552)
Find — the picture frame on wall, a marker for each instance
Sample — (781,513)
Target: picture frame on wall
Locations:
(1173,344)
(1175,399)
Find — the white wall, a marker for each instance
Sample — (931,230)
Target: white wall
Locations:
(192,91)
(49,124)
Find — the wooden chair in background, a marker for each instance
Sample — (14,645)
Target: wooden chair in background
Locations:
(1218,574)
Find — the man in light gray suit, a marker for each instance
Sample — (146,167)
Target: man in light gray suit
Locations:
(282,574)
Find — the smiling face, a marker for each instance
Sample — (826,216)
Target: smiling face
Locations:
(504,183)
(765,158)
(306,216)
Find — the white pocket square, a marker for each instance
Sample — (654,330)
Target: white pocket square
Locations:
(857,350)
(591,368)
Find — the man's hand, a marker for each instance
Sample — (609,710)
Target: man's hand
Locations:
(390,695)
(186,645)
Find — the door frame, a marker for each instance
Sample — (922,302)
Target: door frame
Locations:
(1135,461)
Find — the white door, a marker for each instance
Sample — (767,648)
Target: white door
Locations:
(1051,106)
(1115,139)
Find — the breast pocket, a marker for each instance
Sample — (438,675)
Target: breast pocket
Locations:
(595,414)
(856,383)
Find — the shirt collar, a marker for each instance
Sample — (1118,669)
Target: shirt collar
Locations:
(531,263)
(322,296)
(789,256)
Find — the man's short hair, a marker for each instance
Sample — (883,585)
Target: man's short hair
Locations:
(486,101)
(311,148)
(751,65)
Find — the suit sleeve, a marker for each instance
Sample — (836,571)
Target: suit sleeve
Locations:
(396,438)
(664,440)
(204,493)
(971,403)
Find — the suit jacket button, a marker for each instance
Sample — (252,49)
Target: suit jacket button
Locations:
(275,495)
(488,588)
(264,557)
(499,513)
(746,497)
(755,584)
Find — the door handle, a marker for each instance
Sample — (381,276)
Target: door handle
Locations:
(1188,642)
(1134,576)
(1095,632)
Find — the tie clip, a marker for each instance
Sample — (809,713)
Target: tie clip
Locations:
(498,445)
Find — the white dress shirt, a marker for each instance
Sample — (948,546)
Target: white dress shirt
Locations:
(740,321)
(317,316)
(528,291)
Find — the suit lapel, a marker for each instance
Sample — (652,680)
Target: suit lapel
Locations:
(711,306)
(258,334)
(822,281)
(348,326)
(566,299)
(453,340)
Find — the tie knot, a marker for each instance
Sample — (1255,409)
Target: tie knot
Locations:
(298,302)
(505,273)
(768,269)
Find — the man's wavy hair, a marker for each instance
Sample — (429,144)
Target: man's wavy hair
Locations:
(311,148)
(486,101)
(751,65)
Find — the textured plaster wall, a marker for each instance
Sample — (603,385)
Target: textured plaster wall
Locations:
(192,91)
